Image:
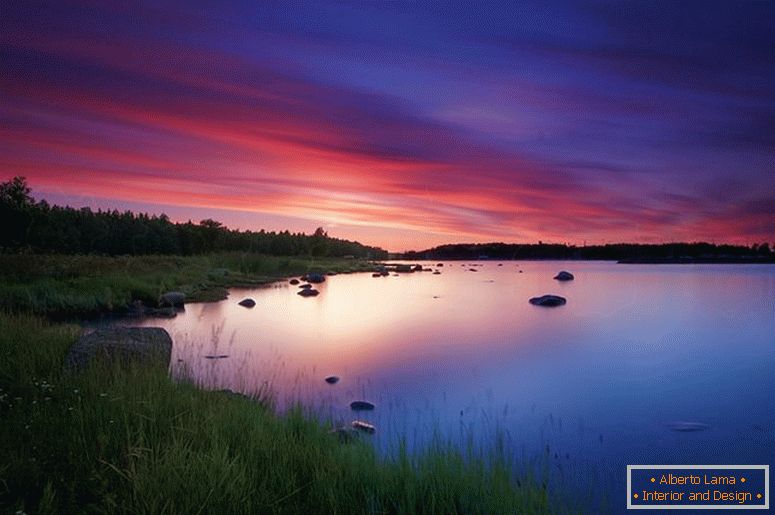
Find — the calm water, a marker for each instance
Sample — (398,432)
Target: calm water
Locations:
(598,382)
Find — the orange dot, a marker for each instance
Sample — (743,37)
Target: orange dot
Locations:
(758,496)
(636,495)
(652,479)
(742,479)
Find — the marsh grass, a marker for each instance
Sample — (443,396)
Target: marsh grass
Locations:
(131,440)
(85,285)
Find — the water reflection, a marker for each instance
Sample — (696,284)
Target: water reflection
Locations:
(599,380)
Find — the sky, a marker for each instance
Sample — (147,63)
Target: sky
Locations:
(402,125)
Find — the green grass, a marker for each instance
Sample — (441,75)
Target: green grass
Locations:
(131,440)
(73,286)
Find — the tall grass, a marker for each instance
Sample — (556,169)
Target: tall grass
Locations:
(130,440)
(71,286)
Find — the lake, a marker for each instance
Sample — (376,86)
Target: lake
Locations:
(645,364)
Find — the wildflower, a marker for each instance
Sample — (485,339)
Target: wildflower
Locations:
(70,408)
(75,391)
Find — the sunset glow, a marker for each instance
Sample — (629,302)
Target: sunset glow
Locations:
(400,126)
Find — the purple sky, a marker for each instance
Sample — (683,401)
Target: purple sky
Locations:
(403,125)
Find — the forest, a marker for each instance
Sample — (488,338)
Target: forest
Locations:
(699,252)
(37,227)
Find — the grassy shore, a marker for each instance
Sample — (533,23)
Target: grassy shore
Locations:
(131,440)
(77,286)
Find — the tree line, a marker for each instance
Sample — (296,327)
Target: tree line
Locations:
(37,226)
(624,252)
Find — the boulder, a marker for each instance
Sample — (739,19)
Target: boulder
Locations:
(361,406)
(376,274)
(436,272)
(473,270)
(417,268)
(247,303)
(404,269)
(313,277)
(144,345)
(564,276)
(548,301)
(172,298)
(360,425)
(309,292)
(294,281)
(439,264)
(305,286)
(332,379)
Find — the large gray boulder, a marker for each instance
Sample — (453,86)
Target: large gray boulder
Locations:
(145,345)
(172,298)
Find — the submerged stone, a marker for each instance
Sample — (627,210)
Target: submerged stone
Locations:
(361,406)
(548,301)
(360,425)
(564,276)
(315,278)
(687,427)
(247,303)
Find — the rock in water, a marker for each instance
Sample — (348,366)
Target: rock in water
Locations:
(247,303)
(294,281)
(417,268)
(564,276)
(361,406)
(315,278)
(360,425)
(548,301)
(305,286)
(332,379)
(310,292)
(145,345)
(172,298)
(687,427)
